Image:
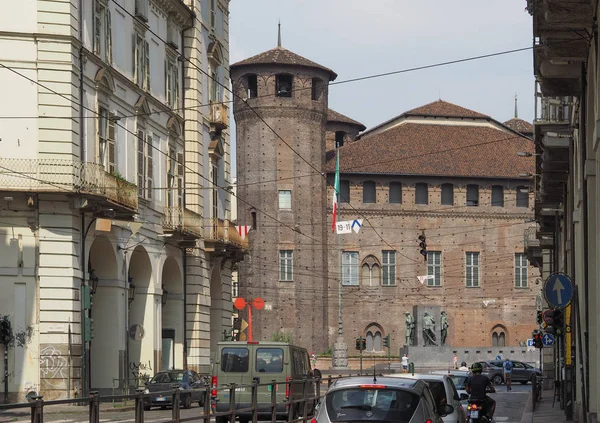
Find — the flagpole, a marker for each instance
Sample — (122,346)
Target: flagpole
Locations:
(339,242)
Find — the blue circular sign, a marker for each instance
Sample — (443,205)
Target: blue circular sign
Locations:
(558,290)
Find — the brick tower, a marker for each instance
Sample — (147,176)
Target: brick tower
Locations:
(281,98)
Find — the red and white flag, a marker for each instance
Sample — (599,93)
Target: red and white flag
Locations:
(243,230)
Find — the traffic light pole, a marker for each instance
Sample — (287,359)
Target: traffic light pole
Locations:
(360,352)
(5,373)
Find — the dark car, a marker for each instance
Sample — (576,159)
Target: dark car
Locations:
(522,372)
(186,380)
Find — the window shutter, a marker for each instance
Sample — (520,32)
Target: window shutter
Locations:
(111,143)
(97,27)
(108,36)
(180,165)
(149,166)
(176,86)
(147,65)
(140,162)
(135,59)
(168,84)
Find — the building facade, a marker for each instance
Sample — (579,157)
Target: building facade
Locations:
(113,181)
(442,171)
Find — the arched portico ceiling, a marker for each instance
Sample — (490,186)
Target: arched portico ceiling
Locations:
(102,258)
(171,276)
(104,80)
(140,267)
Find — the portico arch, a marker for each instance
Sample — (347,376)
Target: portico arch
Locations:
(173,311)
(216,305)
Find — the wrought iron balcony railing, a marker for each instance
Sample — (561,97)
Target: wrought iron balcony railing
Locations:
(183,220)
(220,230)
(531,240)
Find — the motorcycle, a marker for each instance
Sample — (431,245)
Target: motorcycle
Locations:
(475,412)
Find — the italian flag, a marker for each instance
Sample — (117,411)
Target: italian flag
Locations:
(336,190)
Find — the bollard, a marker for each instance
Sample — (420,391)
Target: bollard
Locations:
(254,401)
(94,407)
(273,401)
(232,403)
(176,410)
(207,404)
(37,409)
(139,406)
(411,368)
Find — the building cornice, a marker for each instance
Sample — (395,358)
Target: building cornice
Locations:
(434,214)
(176,10)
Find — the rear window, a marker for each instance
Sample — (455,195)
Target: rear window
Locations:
(167,377)
(360,404)
(459,381)
(234,360)
(438,391)
(269,360)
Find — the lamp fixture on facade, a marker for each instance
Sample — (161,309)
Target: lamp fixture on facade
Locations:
(93,282)
(131,291)
(165,295)
(526,154)
(527,175)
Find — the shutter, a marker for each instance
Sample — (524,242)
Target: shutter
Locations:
(149,166)
(180,179)
(140,162)
(167,84)
(147,65)
(108,36)
(97,27)
(111,143)
(176,86)
(135,59)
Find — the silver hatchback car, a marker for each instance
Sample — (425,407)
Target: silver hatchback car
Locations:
(369,399)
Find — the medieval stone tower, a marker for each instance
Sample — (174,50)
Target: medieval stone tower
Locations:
(281,114)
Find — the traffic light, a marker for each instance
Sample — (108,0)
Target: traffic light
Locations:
(237,323)
(540,318)
(358,343)
(364,344)
(537,340)
(558,322)
(5,331)
(423,246)
(386,341)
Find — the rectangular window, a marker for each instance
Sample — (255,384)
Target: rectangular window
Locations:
(389,268)
(473,195)
(283,85)
(522,196)
(172,83)
(102,32)
(497,196)
(472,270)
(145,164)
(395,193)
(141,61)
(421,193)
(269,360)
(213,13)
(252,86)
(345,192)
(521,268)
(235,289)
(174,178)
(214,92)
(285,199)
(369,192)
(234,360)
(434,268)
(349,268)
(447,194)
(316,89)
(286,264)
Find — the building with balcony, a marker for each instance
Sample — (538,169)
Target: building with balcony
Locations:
(566,189)
(118,246)
(460,178)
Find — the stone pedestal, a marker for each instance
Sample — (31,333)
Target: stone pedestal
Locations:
(340,355)
(418,313)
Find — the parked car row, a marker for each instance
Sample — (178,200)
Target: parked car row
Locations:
(521,372)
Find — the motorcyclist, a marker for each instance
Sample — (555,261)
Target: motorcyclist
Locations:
(476,386)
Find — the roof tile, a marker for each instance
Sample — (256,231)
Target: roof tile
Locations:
(519,125)
(443,109)
(333,116)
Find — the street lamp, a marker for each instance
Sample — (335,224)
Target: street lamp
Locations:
(93,282)
(165,295)
(526,154)
(527,175)
(131,292)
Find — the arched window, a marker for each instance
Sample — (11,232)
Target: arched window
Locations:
(344,191)
(252,82)
(395,193)
(370,271)
(447,194)
(522,196)
(369,341)
(339,139)
(283,85)
(374,337)
(369,192)
(501,339)
(494,339)
(499,336)
(377,342)
(421,193)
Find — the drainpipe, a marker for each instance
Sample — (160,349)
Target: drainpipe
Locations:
(81,102)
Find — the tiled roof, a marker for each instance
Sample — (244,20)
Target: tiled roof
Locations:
(520,125)
(439,150)
(281,56)
(443,108)
(333,116)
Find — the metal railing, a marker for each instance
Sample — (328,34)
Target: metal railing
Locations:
(531,239)
(224,231)
(551,109)
(56,175)
(298,408)
(184,220)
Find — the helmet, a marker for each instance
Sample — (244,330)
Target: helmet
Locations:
(476,368)
(463,364)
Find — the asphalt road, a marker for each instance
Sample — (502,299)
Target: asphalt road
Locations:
(510,405)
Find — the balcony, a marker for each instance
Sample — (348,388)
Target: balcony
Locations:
(223,237)
(184,221)
(66,176)
(532,246)
(219,117)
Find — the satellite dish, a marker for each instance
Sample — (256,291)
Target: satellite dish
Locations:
(136,332)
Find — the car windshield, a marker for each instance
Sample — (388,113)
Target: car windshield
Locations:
(167,377)
(459,381)
(371,404)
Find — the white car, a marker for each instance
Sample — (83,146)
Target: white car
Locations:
(459,377)
(444,392)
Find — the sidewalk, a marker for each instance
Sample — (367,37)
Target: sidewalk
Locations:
(543,410)
(21,413)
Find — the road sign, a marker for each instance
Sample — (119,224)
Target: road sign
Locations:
(243,326)
(343,227)
(558,290)
(530,342)
(548,340)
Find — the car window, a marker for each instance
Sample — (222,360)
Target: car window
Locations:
(194,377)
(497,363)
(518,365)
(428,398)
(269,360)
(453,388)
(438,390)
(458,381)
(160,378)
(301,365)
(371,404)
(234,360)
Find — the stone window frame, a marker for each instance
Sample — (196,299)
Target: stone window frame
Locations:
(282,200)
(374,329)
(286,265)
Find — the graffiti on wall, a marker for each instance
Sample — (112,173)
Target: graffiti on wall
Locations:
(53,364)
(141,370)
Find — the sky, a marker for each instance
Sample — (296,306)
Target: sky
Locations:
(358,38)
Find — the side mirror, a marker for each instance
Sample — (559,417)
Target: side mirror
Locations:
(464,397)
(446,410)
(146,382)
(317,373)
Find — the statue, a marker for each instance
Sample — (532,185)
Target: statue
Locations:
(445,325)
(410,325)
(429,330)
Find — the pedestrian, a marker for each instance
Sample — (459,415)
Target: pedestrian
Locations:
(405,363)
(463,366)
(455,361)
(508,367)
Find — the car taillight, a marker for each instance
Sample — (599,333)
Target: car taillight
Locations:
(213,385)
(428,421)
(313,420)
(287,387)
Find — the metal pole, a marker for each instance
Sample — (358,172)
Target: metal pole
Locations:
(360,351)
(389,356)
(6,373)
(250,321)
(339,242)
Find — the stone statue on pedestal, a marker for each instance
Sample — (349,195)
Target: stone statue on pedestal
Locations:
(445,325)
(429,330)
(410,325)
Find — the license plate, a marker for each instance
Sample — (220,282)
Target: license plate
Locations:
(160,399)
(474,414)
